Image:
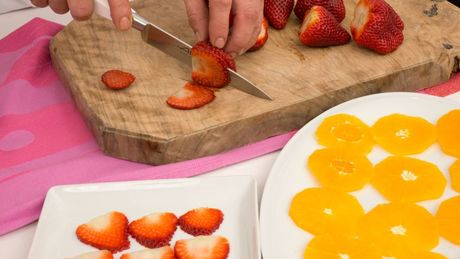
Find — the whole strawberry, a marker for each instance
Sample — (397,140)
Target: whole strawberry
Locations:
(321,29)
(335,7)
(377,26)
(278,12)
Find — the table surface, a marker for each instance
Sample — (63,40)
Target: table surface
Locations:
(16,244)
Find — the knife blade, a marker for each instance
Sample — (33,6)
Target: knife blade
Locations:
(177,48)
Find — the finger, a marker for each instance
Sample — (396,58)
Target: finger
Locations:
(40,3)
(81,9)
(246,27)
(59,6)
(197,12)
(219,12)
(120,11)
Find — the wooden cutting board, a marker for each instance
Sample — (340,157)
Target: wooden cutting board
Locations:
(136,124)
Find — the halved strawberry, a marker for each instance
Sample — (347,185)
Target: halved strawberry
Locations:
(117,79)
(278,12)
(191,96)
(164,252)
(335,7)
(202,247)
(321,29)
(154,230)
(262,37)
(201,221)
(108,231)
(210,65)
(104,254)
(377,26)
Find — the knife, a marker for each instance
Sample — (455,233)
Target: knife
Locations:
(175,47)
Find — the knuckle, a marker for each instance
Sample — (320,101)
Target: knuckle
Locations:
(221,3)
(194,19)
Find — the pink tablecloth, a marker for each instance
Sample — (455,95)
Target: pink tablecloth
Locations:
(44,141)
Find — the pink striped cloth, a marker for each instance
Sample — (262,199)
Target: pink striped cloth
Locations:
(44,141)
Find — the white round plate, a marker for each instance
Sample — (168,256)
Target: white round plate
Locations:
(280,237)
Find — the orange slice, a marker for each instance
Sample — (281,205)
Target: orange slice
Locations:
(398,229)
(345,131)
(423,255)
(403,135)
(340,169)
(448,130)
(454,171)
(338,247)
(407,179)
(448,216)
(325,211)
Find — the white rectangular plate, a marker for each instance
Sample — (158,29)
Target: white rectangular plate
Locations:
(66,207)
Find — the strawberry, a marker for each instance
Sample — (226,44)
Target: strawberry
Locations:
(154,230)
(262,37)
(104,254)
(201,221)
(377,26)
(209,65)
(109,232)
(335,7)
(164,252)
(117,79)
(321,29)
(202,247)
(191,96)
(278,12)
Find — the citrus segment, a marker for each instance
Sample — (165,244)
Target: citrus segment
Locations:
(403,135)
(345,131)
(340,169)
(339,247)
(406,179)
(398,229)
(448,130)
(454,171)
(448,217)
(423,255)
(325,211)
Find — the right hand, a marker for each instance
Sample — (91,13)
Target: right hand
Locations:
(83,9)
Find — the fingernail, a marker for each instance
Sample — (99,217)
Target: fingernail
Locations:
(233,54)
(219,42)
(125,23)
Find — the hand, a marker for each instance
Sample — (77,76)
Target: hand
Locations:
(213,22)
(82,10)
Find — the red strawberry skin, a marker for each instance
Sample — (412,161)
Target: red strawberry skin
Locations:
(106,232)
(201,221)
(191,96)
(117,79)
(209,65)
(377,26)
(335,7)
(262,37)
(164,252)
(154,230)
(202,247)
(278,12)
(321,29)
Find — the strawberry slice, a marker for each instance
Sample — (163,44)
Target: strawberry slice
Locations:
(321,29)
(104,254)
(377,26)
(335,7)
(209,65)
(201,221)
(164,252)
(262,37)
(202,247)
(278,12)
(117,79)
(154,230)
(107,232)
(191,96)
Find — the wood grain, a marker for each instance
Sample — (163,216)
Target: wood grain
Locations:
(136,124)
